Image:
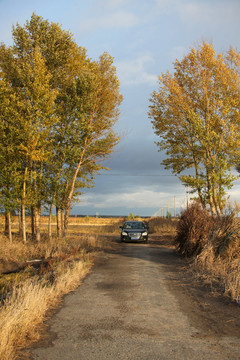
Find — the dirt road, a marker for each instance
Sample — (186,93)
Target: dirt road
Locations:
(139,303)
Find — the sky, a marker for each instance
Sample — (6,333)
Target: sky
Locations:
(145,37)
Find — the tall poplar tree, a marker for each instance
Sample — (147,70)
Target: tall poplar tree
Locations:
(85,132)
(9,151)
(66,107)
(196,115)
(35,117)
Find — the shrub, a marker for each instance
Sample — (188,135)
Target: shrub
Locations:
(169,215)
(131,216)
(193,229)
(226,236)
(215,244)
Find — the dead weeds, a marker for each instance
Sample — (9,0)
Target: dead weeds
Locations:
(213,245)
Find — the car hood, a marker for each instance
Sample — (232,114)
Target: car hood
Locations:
(134,230)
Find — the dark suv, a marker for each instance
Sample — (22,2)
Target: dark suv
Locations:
(134,231)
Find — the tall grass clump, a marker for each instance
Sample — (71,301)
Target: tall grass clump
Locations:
(213,243)
(26,308)
(193,230)
(28,291)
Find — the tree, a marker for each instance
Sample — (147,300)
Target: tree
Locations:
(195,113)
(9,161)
(65,108)
(31,67)
(35,116)
(96,98)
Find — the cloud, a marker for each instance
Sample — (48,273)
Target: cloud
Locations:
(119,19)
(132,72)
(209,13)
(112,3)
(139,197)
(165,4)
(193,12)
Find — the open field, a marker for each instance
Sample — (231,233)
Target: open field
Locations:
(93,225)
(75,223)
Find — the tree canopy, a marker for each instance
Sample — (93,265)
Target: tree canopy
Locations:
(58,108)
(195,114)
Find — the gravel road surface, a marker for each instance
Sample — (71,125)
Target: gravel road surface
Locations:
(140,303)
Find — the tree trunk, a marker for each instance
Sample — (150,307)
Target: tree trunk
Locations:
(8,225)
(37,222)
(209,176)
(24,236)
(50,222)
(20,222)
(33,222)
(62,222)
(37,207)
(70,195)
(66,218)
(59,226)
(215,200)
(210,194)
(199,190)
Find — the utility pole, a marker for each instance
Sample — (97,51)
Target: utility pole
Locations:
(187,198)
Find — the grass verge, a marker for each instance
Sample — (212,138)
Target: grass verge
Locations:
(24,311)
(28,295)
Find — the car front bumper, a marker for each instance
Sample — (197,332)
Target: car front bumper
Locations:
(137,237)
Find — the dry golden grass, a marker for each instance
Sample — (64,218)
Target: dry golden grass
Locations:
(30,296)
(112,229)
(159,225)
(213,244)
(232,281)
(74,242)
(87,220)
(223,273)
(94,220)
(96,225)
(26,308)
(17,255)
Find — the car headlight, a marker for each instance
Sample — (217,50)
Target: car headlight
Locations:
(144,233)
(124,233)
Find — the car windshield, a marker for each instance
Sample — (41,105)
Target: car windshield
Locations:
(133,225)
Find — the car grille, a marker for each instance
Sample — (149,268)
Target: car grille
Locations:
(135,235)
